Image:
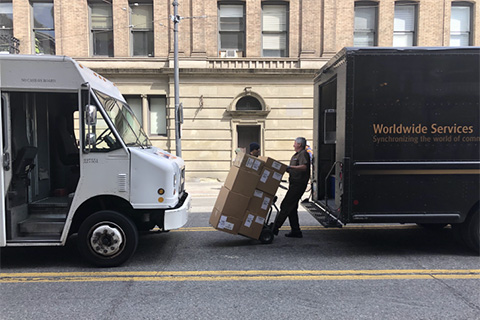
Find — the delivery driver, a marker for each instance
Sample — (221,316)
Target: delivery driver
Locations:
(299,171)
(254,149)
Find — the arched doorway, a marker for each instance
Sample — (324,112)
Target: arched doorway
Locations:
(248,111)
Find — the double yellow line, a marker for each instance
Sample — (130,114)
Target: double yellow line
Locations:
(240,275)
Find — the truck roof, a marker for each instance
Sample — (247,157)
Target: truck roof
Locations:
(341,56)
(50,73)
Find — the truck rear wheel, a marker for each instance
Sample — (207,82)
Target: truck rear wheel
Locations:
(107,238)
(467,232)
(471,229)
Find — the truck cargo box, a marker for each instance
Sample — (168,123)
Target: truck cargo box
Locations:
(399,131)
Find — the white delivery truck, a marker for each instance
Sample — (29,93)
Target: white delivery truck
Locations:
(75,160)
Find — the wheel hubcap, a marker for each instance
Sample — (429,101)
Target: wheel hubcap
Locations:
(106,240)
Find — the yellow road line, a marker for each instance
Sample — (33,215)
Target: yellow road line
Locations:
(244,272)
(240,275)
(384,227)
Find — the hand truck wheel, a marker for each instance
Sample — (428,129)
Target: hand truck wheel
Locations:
(266,236)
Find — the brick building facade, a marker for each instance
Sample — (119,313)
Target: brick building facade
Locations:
(246,66)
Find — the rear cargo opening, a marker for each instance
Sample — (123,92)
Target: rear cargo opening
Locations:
(324,208)
(325,171)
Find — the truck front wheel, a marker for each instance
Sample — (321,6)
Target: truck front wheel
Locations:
(107,238)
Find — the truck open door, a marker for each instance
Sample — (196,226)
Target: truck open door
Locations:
(6,172)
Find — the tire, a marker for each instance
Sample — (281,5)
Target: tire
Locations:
(432,226)
(107,238)
(266,236)
(471,231)
(457,230)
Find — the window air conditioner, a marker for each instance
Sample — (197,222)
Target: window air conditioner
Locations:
(230,53)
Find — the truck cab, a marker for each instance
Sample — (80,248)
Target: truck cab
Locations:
(75,160)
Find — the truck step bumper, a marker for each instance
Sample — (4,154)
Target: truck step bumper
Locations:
(321,214)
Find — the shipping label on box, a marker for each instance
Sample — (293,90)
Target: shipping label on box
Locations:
(267,202)
(249,163)
(248,220)
(274,164)
(260,203)
(269,180)
(265,174)
(224,223)
(277,176)
(252,225)
(241,181)
(231,204)
(260,220)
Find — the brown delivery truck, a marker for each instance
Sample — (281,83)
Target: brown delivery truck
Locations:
(396,139)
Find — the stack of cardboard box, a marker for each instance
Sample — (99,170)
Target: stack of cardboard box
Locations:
(247,195)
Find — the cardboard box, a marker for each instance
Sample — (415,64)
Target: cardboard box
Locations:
(269,180)
(260,203)
(224,223)
(241,181)
(231,204)
(273,164)
(249,163)
(252,225)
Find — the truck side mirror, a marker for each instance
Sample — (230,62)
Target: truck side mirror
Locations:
(90,139)
(91,115)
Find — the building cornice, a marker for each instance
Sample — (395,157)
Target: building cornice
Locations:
(237,66)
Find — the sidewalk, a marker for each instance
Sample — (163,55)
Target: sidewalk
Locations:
(205,188)
(209,188)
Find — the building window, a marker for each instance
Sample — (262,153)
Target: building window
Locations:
(231,26)
(460,24)
(158,115)
(248,103)
(135,103)
(365,33)
(274,30)
(43,27)
(101,24)
(141,21)
(404,25)
(6,26)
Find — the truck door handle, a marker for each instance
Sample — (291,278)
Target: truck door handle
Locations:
(6,161)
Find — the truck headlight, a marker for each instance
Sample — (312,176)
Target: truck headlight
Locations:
(175,177)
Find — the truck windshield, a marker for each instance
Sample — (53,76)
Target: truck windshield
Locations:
(124,120)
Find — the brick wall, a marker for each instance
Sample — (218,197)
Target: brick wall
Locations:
(315,27)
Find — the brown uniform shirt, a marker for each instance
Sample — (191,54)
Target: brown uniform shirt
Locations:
(299,176)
